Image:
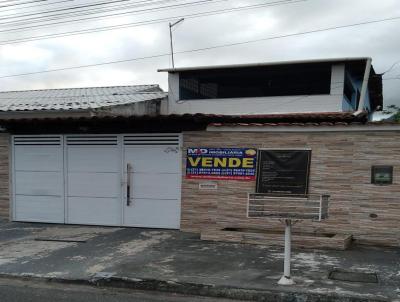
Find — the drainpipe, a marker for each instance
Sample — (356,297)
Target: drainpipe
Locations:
(364,87)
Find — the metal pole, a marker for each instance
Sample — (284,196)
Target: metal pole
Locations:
(172,46)
(286,278)
(170,38)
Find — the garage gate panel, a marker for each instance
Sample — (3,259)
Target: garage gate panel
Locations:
(38,184)
(93,180)
(83,179)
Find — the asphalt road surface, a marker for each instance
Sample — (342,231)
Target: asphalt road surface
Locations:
(12,290)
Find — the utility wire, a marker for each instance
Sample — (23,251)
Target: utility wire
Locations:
(79,7)
(7,1)
(10,1)
(203,49)
(85,66)
(141,23)
(100,10)
(391,67)
(83,12)
(22,3)
(133,12)
(36,5)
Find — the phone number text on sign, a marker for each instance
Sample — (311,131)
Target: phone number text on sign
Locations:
(221,163)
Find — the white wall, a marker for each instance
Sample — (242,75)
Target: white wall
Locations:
(337,79)
(260,105)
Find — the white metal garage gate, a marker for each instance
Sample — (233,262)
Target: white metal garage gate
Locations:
(119,180)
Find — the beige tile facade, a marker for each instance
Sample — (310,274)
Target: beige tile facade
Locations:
(4,176)
(340,166)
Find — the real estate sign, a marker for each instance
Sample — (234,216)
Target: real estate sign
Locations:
(221,163)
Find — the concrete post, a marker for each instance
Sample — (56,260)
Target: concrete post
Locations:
(286,278)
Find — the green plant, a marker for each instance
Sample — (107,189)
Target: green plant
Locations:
(394,110)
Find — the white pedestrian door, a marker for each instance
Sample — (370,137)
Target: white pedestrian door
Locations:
(83,179)
(152,197)
(38,186)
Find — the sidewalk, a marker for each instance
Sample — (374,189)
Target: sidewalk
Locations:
(180,262)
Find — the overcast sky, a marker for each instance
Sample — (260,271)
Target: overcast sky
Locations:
(381,41)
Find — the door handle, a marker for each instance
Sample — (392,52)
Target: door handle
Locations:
(128,184)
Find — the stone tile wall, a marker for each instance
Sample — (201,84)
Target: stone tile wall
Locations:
(340,166)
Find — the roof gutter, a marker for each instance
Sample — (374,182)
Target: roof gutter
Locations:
(364,88)
(305,129)
(38,114)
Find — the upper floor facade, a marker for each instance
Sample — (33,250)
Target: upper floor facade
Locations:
(330,85)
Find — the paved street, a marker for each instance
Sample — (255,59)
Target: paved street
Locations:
(180,262)
(29,291)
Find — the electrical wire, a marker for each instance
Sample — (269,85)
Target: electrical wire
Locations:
(104,10)
(23,3)
(141,23)
(281,2)
(390,79)
(36,5)
(85,66)
(202,49)
(188,17)
(13,16)
(391,67)
(10,1)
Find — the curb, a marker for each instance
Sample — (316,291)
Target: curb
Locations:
(195,289)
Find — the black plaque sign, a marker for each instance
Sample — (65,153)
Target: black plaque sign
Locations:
(382,175)
(283,172)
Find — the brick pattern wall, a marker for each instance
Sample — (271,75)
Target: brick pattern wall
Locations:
(4,176)
(340,166)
